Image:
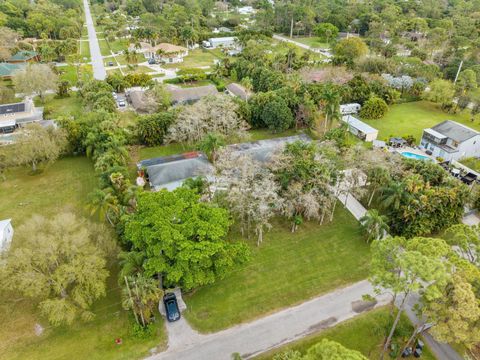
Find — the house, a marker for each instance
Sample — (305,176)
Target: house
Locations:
(221,42)
(7,70)
(163,52)
(238,90)
(349,109)
(450,140)
(169,172)
(246,10)
(6,234)
(18,114)
(189,95)
(360,129)
(141,102)
(24,56)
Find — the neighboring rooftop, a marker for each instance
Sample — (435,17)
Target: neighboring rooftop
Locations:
(24,55)
(169,172)
(358,124)
(180,95)
(455,131)
(7,70)
(238,90)
(165,48)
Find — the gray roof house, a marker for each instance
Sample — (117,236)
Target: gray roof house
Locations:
(140,102)
(18,114)
(238,90)
(189,95)
(169,172)
(451,140)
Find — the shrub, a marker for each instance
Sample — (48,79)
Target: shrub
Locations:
(374,108)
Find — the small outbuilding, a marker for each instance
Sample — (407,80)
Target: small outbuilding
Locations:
(360,129)
(6,234)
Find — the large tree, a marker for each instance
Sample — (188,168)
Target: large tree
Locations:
(35,79)
(59,263)
(351,48)
(323,350)
(440,91)
(183,239)
(36,144)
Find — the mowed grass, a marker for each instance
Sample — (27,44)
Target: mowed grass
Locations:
(197,58)
(312,41)
(54,107)
(472,163)
(69,73)
(286,269)
(411,118)
(84,49)
(364,333)
(62,186)
(119,45)
(104,48)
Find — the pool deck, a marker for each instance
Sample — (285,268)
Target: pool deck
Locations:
(415,151)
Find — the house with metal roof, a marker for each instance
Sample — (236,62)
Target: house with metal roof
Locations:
(451,140)
(24,56)
(360,129)
(18,114)
(7,70)
(169,172)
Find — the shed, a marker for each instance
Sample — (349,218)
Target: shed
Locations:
(360,129)
(6,234)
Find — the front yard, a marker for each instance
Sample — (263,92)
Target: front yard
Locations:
(63,186)
(285,269)
(411,118)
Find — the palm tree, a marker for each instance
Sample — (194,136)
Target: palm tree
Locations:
(131,263)
(210,144)
(330,100)
(374,225)
(104,204)
(393,195)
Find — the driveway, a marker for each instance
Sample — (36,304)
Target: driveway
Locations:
(261,335)
(324,52)
(99,72)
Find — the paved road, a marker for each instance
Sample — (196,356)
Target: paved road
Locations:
(99,72)
(271,331)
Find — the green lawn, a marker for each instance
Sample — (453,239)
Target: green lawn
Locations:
(84,49)
(411,118)
(69,73)
(363,333)
(104,48)
(62,186)
(60,107)
(312,41)
(119,45)
(197,58)
(472,163)
(285,270)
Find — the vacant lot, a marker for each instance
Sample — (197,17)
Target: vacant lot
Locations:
(363,333)
(312,41)
(63,186)
(411,118)
(285,269)
(197,58)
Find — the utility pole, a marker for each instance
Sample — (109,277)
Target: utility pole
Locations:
(291,28)
(458,72)
(130,295)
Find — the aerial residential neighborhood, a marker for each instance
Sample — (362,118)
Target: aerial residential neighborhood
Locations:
(239,179)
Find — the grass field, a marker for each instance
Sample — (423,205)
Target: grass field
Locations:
(60,107)
(285,269)
(84,49)
(62,186)
(104,48)
(119,45)
(197,58)
(363,333)
(69,73)
(312,41)
(411,118)
(472,163)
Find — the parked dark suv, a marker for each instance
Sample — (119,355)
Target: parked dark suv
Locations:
(171,307)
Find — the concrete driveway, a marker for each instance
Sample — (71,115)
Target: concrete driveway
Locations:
(99,72)
(266,333)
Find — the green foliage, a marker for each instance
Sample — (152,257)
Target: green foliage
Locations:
(183,239)
(191,74)
(97,95)
(441,92)
(374,108)
(151,129)
(271,111)
(326,32)
(117,81)
(143,332)
(324,350)
(138,79)
(351,48)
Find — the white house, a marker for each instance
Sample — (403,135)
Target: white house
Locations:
(450,140)
(163,52)
(223,42)
(349,109)
(18,114)
(6,234)
(360,129)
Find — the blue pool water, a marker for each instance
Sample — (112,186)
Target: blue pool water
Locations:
(414,156)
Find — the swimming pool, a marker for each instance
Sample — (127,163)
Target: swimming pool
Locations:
(411,155)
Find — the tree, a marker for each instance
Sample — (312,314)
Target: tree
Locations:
(36,144)
(60,264)
(131,264)
(330,102)
(141,294)
(210,145)
(271,110)
(183,239)
(326,32)
(324,350)
(374,225)
(466,239)
(152,129)
(441,92)
(374,108)
(105,204)
(250,191)
(211,114)
(351,48)
(406,267)
(8,42)
(467,81)
(7,95)
(35,79)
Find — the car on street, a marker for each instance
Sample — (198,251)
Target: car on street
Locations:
(110,63)
(171,307)
(151,61)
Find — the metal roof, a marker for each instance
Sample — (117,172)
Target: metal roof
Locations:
(7,69)
(455,131)
(8,109)
(359,125)
(23,56)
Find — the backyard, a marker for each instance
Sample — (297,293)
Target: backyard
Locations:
(411,118)
(285,270)
(312,41)
(62,186)
(363,333)
(197,58)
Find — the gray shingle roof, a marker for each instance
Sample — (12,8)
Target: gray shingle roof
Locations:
(455,131)
(191,94)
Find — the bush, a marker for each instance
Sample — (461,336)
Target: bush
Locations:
(141,332)
(151,129)
(374,108)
